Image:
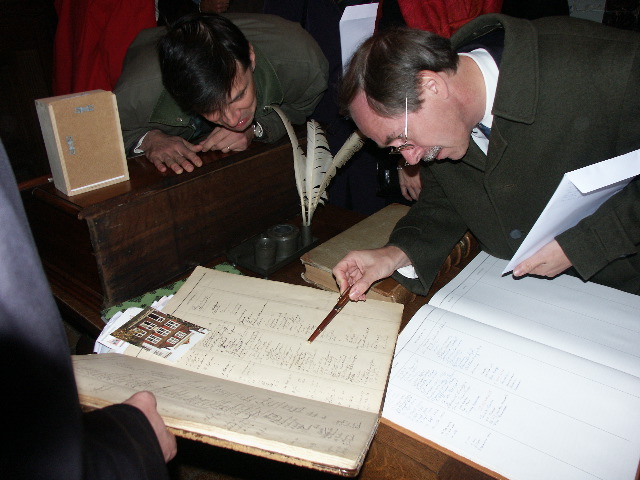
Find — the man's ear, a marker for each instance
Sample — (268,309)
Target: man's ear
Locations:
(433,83)
(252,57)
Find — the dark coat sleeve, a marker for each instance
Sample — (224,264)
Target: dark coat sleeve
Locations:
(427,233)
(47,436)
(120,443)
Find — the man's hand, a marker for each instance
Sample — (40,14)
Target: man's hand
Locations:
(410,184)
(168,151)
(549,261)
(360,268)
(226,140)
(146,401)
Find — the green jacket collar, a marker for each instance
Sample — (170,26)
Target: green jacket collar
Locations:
(515,100)
(516,97)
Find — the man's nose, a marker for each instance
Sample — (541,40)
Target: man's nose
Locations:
(231,116)
(411,156)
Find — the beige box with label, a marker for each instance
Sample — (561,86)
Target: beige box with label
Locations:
(83,140)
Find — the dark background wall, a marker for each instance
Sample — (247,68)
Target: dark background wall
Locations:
(27,29)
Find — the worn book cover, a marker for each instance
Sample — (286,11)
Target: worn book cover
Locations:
(372,232)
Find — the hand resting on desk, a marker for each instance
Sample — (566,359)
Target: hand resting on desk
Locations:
(180,155)
(227,140)
(170,151)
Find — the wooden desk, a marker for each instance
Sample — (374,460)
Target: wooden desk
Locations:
(249,192)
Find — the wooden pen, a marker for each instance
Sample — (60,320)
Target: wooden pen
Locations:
(342,301)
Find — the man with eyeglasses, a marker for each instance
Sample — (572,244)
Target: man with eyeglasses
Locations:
(495,117)
(208,84)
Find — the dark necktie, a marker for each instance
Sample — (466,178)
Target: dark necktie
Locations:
(485,130)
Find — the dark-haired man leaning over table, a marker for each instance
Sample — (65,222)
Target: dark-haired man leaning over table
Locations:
(208,86)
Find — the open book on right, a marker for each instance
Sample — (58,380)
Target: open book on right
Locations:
(528,379)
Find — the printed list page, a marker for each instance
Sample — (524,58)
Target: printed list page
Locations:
(258,331)
(598,323)
(517,407)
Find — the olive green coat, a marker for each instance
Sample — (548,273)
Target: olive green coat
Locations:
(568,96)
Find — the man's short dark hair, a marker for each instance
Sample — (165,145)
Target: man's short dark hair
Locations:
(386,68)
(199,57)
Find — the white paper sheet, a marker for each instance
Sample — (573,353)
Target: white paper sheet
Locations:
(579,194)
(356,25)
(530,378)
(512,405)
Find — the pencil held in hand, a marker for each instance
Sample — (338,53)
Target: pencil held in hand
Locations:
(342,301)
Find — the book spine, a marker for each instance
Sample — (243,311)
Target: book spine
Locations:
(462,250)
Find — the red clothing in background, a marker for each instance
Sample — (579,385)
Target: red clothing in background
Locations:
(444,17)
(91,41)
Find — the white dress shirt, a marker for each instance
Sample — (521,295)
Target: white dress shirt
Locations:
(490,71)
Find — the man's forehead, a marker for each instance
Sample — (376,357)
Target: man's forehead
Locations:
(359,100)
(360,110)
(376,127)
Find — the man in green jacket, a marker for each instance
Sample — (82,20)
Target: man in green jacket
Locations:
(557,94)
(206,83)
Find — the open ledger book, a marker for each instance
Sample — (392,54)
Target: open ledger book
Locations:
(253,383)
(530,378)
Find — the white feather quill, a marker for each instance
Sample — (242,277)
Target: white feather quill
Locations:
(298,159)
(314,171)
(318,160)
(350,147)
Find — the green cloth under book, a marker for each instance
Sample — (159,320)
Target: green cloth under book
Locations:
(146,299)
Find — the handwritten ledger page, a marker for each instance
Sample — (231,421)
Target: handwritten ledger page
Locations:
(316,402)
(508,382)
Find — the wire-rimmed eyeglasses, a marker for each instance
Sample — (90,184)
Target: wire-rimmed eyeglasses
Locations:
(406,145)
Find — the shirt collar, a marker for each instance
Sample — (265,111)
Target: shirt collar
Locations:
(489,69)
